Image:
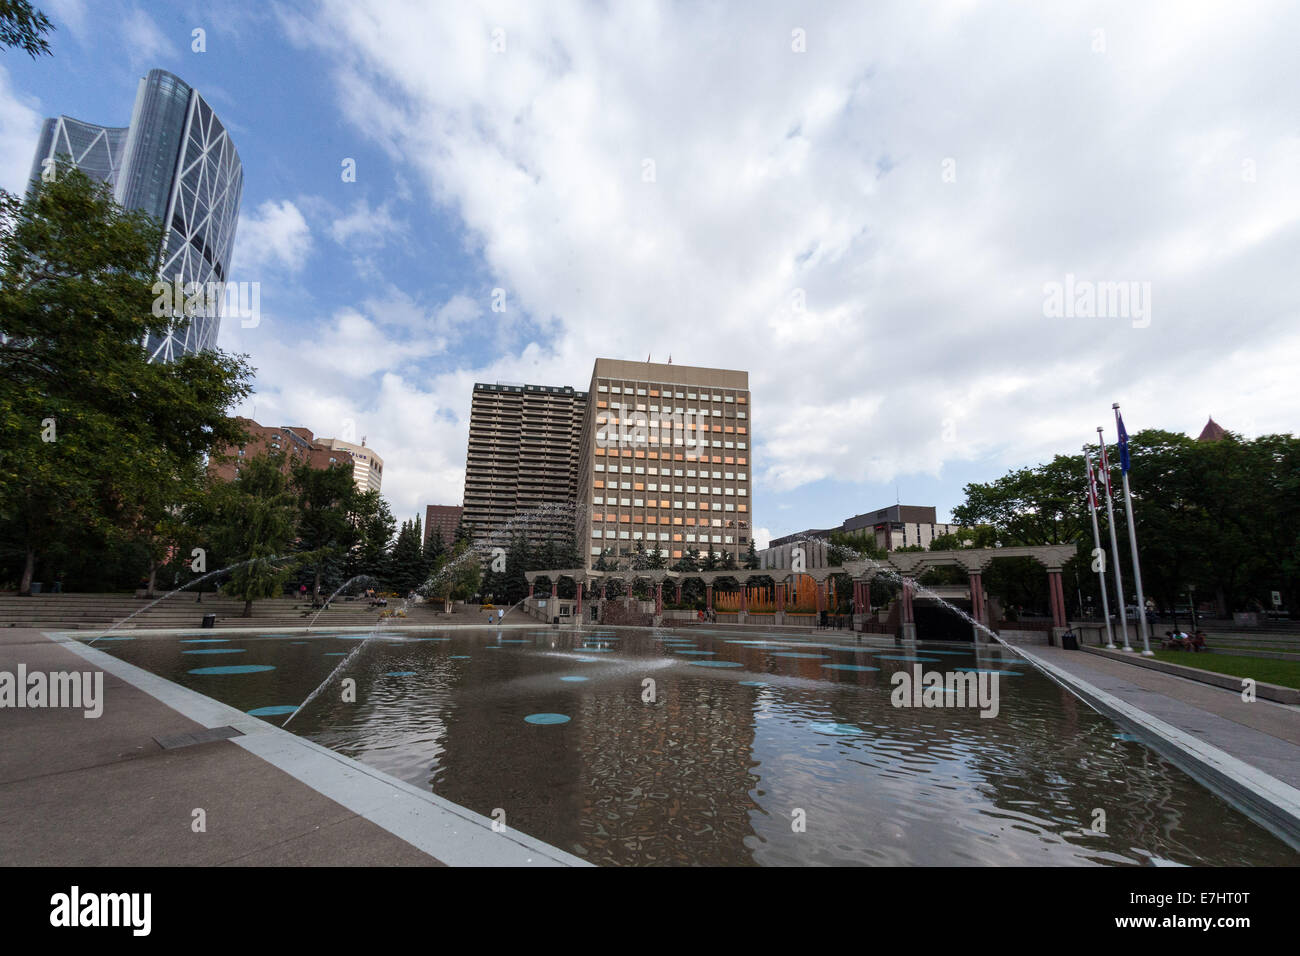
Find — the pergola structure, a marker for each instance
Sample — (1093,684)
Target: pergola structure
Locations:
(904,567)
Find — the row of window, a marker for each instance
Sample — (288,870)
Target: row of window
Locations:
(668,410)
(666,392)
(663,536)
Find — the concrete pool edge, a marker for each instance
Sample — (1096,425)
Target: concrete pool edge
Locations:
(1271,803)
(444,830)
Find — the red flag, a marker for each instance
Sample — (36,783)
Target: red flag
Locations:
(1105,468)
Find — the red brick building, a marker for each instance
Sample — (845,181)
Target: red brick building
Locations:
(295,443)
(443,521)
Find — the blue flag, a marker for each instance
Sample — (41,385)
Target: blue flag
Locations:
(1123,443)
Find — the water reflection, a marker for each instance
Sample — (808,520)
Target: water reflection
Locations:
(781,760)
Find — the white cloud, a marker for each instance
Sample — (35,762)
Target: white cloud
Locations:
(923,342)
(20,126)
(276,237)
(143,41)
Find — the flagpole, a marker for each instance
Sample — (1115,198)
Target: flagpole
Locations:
(1132,539)
(1096,541)
(1114,542)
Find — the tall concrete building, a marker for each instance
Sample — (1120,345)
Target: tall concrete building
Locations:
(665,460)
(898,526)
(176,162)
(367,467)
(521,462)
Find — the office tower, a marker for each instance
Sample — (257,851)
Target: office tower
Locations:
(521,462)
(367,467)
(175,161)
(665,461)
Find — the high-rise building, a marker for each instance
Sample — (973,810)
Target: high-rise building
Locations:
(665,461)
(367,467)
(441,520)
(177,163)
(294,443)
(521,462)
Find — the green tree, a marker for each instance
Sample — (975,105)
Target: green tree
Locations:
(326,499)
(373,527)
(251,522)
(96,437)
(24,27)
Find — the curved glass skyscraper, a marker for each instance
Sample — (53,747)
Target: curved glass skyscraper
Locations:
(177,163)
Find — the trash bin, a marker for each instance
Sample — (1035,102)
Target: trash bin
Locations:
(36,587)
(209,620)
(1069,642)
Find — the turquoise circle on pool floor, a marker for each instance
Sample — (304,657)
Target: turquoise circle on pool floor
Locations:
(596,650)
(513,640)
(696,653)
(587,660)
(926,650)
(275,711)
(715,664)
(233,669)
(336,653)
(400,674)
(1129,737)
(203,640)
(547,718)
(753,683)
(300,642)
(849,667)
(573,678)
(819,657)
(215,650)
(904,657)
(458,657)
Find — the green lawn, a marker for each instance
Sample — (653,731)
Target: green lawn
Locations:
(1285,673)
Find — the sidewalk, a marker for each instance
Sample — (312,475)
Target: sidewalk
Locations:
(105,791)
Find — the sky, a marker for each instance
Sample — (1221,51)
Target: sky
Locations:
(877,210)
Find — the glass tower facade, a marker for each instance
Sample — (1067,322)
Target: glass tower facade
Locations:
(177,163)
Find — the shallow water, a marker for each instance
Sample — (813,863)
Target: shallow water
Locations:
(757,748)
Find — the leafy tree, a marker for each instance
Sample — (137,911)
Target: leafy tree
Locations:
(96,437)
(251,522)
(24,27)
(326,498)
(373,527)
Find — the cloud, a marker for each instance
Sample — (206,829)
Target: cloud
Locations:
(867,226)
(143,40)
(275,237)
(20,127)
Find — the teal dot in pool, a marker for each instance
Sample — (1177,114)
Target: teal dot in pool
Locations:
(987,670)
(754,683)
(573,679)
(697,653)
(199,640)
(233,669)
(1128,737)
(547,718)
(849,667)
(715,664)
(905,657)
(596,650)
(836,730)
(300,642)
(458,657)
(512,640)
(928,650)
(336,653)
(587,660)
(400,674)
(816,657)
(278,710)
(215,650)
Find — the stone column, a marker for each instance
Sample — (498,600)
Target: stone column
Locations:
(909,622)
(708,596)
(530,590)
(659,598)
(1056,594)
(679,592)
(577,610)
(977,608)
